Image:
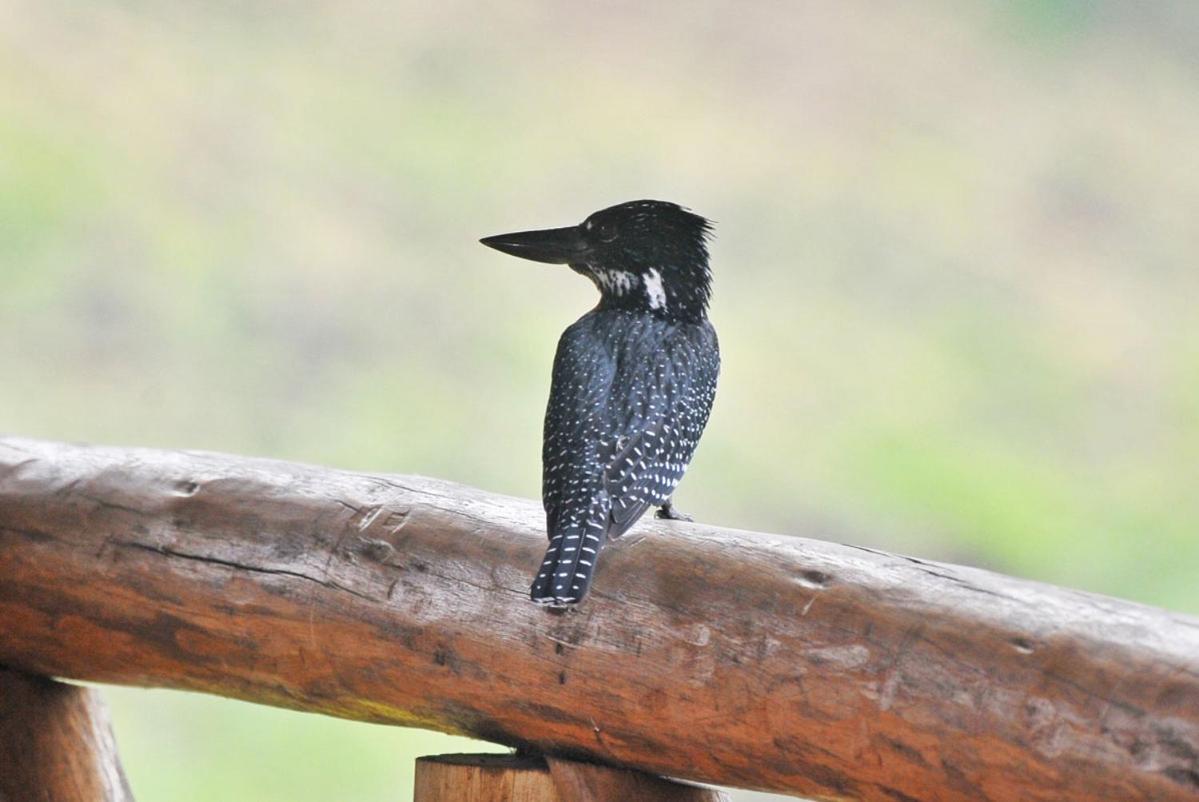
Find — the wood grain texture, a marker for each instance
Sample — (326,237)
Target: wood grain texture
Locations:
(514,778)
(56,743)
(483,778)
(709,654)
(588,782)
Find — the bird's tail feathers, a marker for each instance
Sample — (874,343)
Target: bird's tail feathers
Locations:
(569,564)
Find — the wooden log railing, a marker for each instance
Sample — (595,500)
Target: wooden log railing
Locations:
(709,654)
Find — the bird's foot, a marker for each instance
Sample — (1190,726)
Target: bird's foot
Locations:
(667,512)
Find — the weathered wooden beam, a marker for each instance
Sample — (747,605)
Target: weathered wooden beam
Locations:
(709,654)
(56,744)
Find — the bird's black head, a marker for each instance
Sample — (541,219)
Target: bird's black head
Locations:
(643,255)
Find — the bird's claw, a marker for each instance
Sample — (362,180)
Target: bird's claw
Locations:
(667,512)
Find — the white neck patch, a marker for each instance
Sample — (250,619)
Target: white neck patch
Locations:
(616,281)
(654,289)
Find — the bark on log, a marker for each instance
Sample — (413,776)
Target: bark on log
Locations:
(710,654)
(56,744)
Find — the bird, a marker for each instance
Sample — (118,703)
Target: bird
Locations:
(633,380)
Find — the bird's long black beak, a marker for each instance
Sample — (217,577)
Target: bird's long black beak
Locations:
(553,245)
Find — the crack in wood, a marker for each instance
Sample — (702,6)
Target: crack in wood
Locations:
(257,569)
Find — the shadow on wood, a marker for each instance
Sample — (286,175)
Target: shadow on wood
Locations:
(56,744)
(587,782)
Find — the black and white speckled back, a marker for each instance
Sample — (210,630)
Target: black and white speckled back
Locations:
(630,396)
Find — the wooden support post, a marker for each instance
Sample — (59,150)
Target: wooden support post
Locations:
(56,744)
(483,778)
(519,778)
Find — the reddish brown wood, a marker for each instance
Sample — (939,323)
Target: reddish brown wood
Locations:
(56,744)
(513,778)
(483,778)
(709,654)
(589,782)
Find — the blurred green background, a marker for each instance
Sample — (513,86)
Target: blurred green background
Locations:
(956,281)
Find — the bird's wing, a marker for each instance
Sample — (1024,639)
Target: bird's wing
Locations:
(660,402)
(623,421)
(576,425)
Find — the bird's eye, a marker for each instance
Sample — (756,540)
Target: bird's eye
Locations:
(606,232)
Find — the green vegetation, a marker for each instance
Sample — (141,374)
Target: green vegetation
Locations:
(956,281)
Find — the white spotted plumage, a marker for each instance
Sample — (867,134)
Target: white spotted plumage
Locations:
(630,398)
(633,380)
